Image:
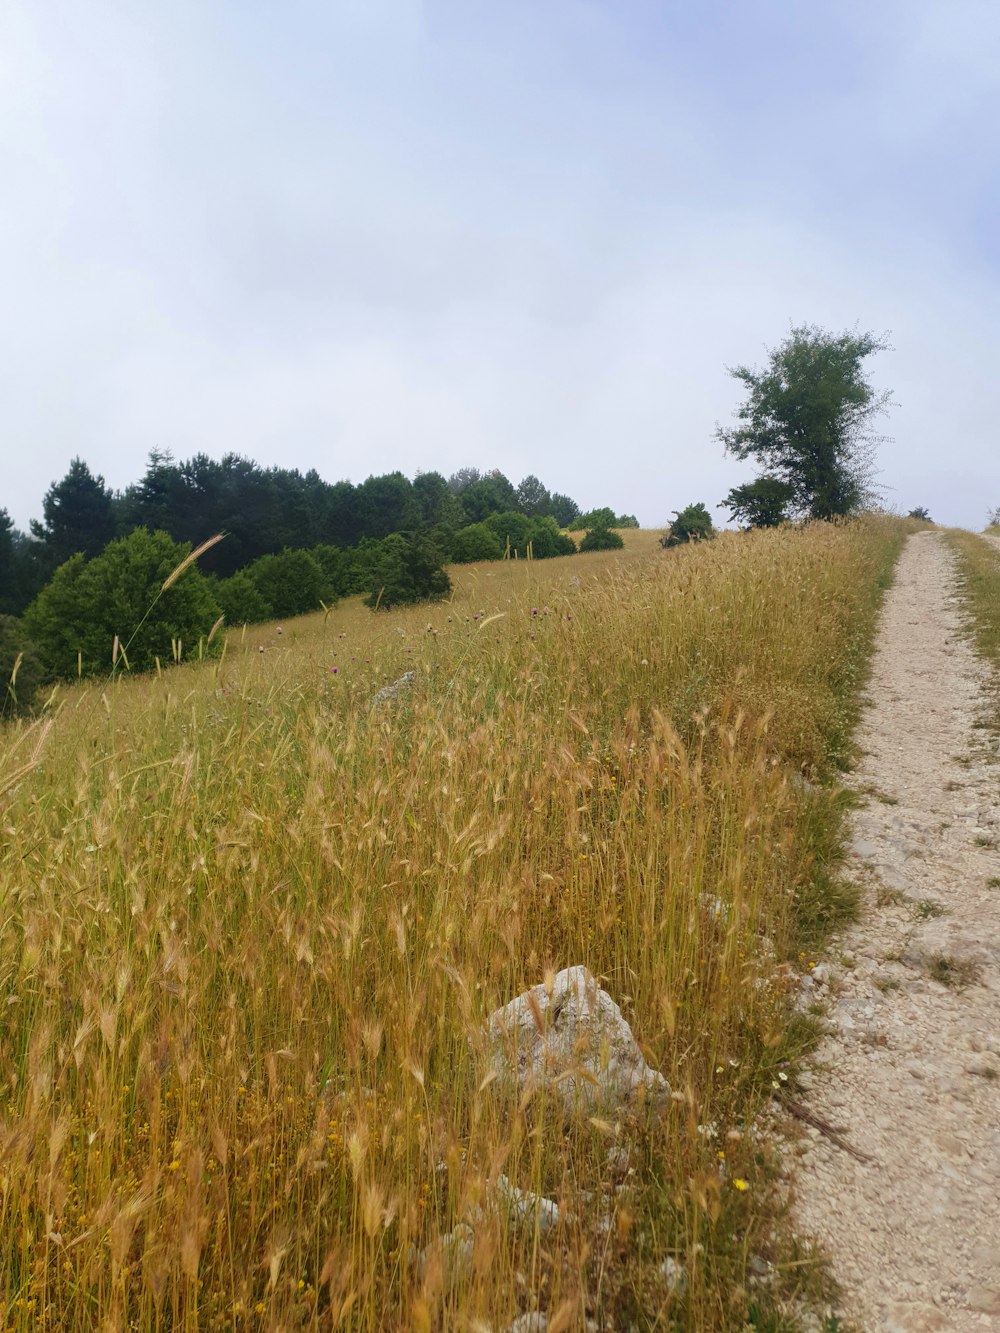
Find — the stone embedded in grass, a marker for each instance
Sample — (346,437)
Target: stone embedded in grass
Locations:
(525,1208)
(570,1036)
(452,1253)
(388,692)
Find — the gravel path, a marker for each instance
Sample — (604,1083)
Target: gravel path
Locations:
(911,1067)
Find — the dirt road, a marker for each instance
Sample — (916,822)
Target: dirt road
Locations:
(911,1068)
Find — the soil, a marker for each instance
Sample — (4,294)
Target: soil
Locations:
(910,1069)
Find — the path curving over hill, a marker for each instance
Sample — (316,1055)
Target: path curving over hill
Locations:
(911,1068)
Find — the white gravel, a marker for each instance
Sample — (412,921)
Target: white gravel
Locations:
(911,1068)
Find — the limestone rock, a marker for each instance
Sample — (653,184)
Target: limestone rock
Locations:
(388,692)
(572,1038)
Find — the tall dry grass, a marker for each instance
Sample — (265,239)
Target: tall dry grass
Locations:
(252,927)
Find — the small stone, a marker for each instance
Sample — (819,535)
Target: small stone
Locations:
(984,1299)
(452,1251)
(672,1271)
(535,1321)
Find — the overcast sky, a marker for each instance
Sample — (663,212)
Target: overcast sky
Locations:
(361,235)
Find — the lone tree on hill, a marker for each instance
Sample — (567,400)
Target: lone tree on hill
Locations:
(807,420)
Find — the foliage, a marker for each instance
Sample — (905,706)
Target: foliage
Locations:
(807,419)
(78,516)
(601,539)
(407,569)
(605,518)
(513,529)
(241,600)
(564,510)
(691,524)
(993,517)
(120,593)
(267,511)
(533,499)
(920,513)
(291,583)
(476,542)
(21,672)
(763,503)
(547,539)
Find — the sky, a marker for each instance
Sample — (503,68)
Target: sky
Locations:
(362,235)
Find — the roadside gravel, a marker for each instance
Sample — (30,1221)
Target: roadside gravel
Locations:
(910,1069)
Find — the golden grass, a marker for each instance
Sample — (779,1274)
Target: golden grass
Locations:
(253,927)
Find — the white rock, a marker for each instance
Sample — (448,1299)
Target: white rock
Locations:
(672,1271)
(452,1251)
(575,1041)
(532,1322)
(525,1208)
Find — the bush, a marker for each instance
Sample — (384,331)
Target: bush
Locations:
(691,524)
(291,583)
(476,542)
(512,528)
(547,540)
(336,565)
(120,592)
(241,600)
(406,569)
(21,672)
(601,539)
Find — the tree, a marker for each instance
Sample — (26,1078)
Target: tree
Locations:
(121,593)
(760,504)
(993,518)
(807,419)
(78,515)
(533,498)
(691,524)
(564,510)
(601,539)
(920,513)
(407,569)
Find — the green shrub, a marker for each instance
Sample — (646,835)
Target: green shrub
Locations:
(478,541)
(21,672)
(241,600)
(691,524)
(120,592)
(512,528)
(292,583)
(406,569)
(547,539)
(601,539)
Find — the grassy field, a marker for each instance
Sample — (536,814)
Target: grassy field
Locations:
(253,925)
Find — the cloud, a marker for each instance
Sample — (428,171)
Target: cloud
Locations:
(424,236)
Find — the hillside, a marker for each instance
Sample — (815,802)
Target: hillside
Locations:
(259,912)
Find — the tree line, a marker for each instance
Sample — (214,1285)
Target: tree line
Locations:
(267,510)
(98,564)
